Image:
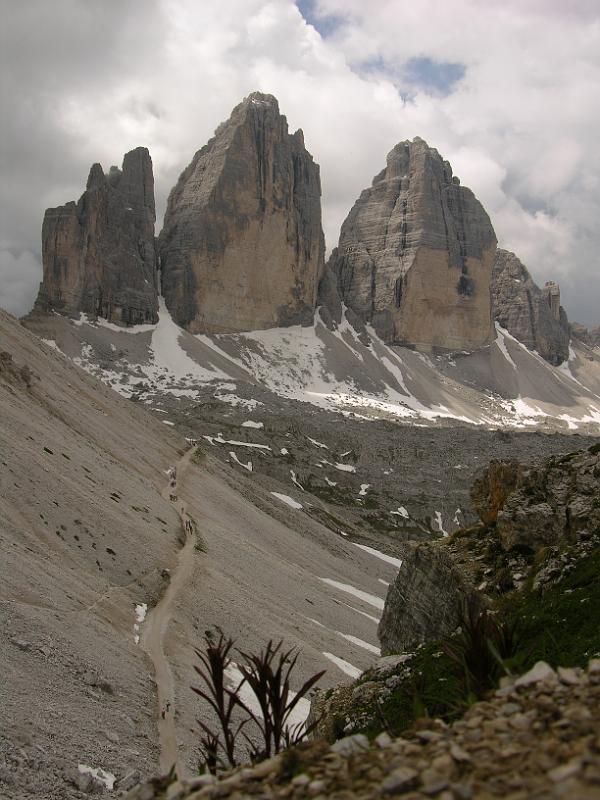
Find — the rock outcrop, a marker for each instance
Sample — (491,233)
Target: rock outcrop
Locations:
(589,336)
(536,738)
(553,503)
(425,600)
(415,255)
(99,254)
(491,489)
(242,246)
(532,315)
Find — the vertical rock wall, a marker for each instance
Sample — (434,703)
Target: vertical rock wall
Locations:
(99,254)
(532,315)
(242,245)
(415,255)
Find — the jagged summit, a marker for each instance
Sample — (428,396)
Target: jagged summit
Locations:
(415,255)
(532,315)
(242,245)
(98,254)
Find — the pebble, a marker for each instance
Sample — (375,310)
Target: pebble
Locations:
(350,745)
(542,742)
(400,780)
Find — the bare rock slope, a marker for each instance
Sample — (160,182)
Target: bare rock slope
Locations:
(532,315)
(415,255)
(98,254)
(242,245)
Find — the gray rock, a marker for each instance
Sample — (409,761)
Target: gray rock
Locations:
(423,602)
(242,245)
(555,501)
(415,255)
(99,253)
(400,780)
(532,315)
(538,673)
(350,744)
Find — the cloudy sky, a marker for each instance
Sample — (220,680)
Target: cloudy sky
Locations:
(507,90)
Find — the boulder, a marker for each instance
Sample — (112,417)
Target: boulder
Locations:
(242,246)
(415,255)
(490,491)
(425,601)
(553,502)
(532,315)
(99,254)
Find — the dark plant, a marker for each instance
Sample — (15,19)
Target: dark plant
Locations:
(268,676)
(481,648)
(224,701)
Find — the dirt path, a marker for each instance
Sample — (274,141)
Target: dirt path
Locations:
(156,623)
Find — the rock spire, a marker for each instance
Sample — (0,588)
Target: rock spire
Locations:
(99,254)
(242,245)
(532,315)
(415,255)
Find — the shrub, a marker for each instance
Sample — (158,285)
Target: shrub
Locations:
(267,673)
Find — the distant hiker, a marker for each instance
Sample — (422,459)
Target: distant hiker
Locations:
(168,707)
(163,712)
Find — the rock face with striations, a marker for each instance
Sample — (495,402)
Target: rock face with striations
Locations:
(99,254)
(532,315)
(242,245)
(589,336)
(415,255)
(424,601)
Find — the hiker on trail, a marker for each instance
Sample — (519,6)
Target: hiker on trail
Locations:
(163,712)
(168,706)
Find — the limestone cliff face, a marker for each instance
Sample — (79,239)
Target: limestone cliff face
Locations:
(532,315)
(99,254)
(589,336)
(415,255)
(424,601)
(242,245)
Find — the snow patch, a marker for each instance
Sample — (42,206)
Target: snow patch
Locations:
(289,501)
(395,562)
(247,466)
(251,424)
(99,774)
(344,666)
(366,597)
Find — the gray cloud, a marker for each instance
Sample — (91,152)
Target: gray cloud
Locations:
(511,99)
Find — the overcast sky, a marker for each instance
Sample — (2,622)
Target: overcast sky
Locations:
(507,90)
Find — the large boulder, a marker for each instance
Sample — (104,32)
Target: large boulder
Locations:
(415,255)
(99,254)
(553,502)
(242,246)
(424,603)
(490,490)
(532,315)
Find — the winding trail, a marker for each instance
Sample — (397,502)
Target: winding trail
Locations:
(155,625)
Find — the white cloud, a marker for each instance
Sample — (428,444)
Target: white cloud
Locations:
(87,83)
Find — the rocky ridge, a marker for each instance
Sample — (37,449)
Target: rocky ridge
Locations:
(415,255)
(532,315)
(535,521)
(589,336)
(242,245)
(98,254)
(538,736)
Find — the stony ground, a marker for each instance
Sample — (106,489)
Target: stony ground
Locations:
(536,737)
(425,470)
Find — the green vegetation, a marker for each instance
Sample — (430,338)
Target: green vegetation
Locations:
(559,625)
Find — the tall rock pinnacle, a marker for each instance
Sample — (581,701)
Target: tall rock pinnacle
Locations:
(532,315)
(98,254)
(415,255)
(242,245)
